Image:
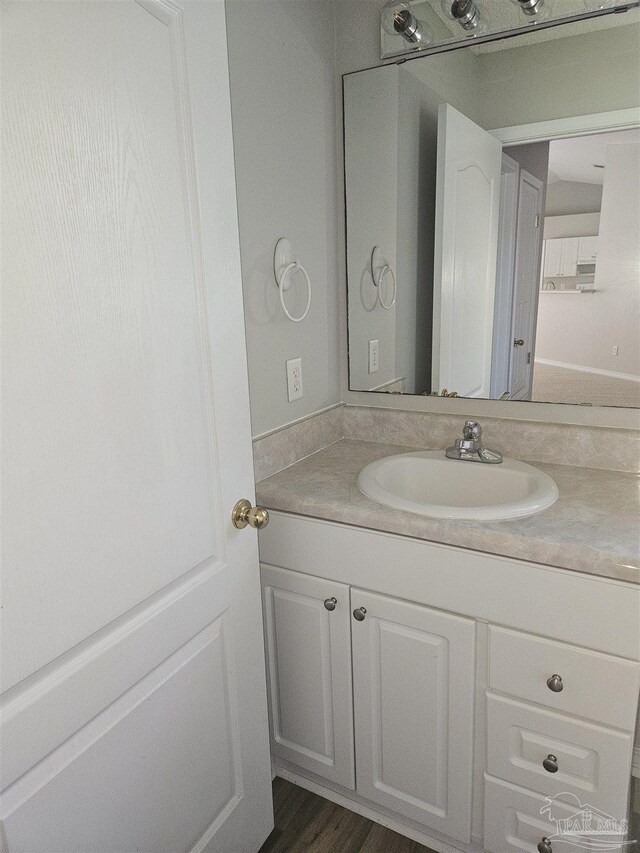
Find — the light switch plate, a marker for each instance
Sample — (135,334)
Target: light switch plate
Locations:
(294,379)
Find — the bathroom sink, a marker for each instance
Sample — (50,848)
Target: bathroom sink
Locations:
(427,483)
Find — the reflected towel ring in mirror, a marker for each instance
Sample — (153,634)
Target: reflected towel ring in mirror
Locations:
(379,269)
(284,267)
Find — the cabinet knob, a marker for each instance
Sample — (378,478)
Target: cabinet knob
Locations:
(554,683)
(545,846)
(330,603)
(359,614)
(518,342)
(550,764)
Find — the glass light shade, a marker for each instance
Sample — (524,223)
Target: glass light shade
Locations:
(465,13)
(398,19)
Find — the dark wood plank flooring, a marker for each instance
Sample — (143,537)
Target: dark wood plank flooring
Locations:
(307,823)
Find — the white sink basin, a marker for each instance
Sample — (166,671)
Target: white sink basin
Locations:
(427,483)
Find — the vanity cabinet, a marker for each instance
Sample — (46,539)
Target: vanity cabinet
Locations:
(413,688)
(464,699)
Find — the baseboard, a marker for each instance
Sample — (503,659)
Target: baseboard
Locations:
(581,368)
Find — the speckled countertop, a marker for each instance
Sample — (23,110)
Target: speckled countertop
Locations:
(593,527)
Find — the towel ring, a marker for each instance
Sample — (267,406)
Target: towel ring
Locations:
(379,268)
(283,285)
(386,269)
(285,264)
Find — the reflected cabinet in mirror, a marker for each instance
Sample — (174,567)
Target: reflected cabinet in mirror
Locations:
(493,218)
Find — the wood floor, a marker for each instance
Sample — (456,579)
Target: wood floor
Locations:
(306,823)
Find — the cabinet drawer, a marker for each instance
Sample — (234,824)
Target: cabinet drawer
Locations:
(594,685)
(516,820)
(594,763)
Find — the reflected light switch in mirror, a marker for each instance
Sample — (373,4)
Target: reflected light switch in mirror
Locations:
(373,356)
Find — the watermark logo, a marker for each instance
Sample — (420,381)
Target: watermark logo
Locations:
(583,825)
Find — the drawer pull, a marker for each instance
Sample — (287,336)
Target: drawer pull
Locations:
(554,683)
(330,603)
(359,613)
(545,846)
(550,764)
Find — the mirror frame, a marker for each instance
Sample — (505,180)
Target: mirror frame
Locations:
(610,417)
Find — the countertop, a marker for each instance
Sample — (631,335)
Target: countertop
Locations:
(594,526)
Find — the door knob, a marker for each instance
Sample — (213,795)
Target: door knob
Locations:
(330,603)
(518,342)
(550,764)
(545,846)
(243,513)
(359,613)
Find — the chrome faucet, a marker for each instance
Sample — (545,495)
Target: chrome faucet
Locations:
(469,448)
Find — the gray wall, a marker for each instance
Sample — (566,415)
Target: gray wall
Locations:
(282,73)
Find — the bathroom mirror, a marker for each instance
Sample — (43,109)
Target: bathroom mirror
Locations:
(493,218)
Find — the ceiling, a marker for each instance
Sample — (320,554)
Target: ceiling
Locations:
(574,159)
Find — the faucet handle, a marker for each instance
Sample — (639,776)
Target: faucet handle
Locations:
(472,431)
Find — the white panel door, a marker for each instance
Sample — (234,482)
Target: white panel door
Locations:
(413,676)
(134,697)
(466,243)
(309,672)
(526,286)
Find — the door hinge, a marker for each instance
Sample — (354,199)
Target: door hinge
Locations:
(537,220)
(528,358)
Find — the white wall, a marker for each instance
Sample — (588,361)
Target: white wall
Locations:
(584,74)
(566,197)
(282,74)
(572,225)
(583,329)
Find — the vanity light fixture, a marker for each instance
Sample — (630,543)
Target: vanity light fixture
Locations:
(398,19)
(463,12)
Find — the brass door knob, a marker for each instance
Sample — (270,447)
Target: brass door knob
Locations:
(243,513)
(518,342)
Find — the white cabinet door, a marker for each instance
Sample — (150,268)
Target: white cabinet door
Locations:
(413,699)
(134,704)
(552,253)
(587,248)
(309,672)
(569,256)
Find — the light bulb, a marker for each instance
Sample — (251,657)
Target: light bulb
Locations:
(534,11)
(397,19)
(465,13)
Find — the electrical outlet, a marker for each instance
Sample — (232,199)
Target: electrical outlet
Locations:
(373,356)
(614,351)
(294,379)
